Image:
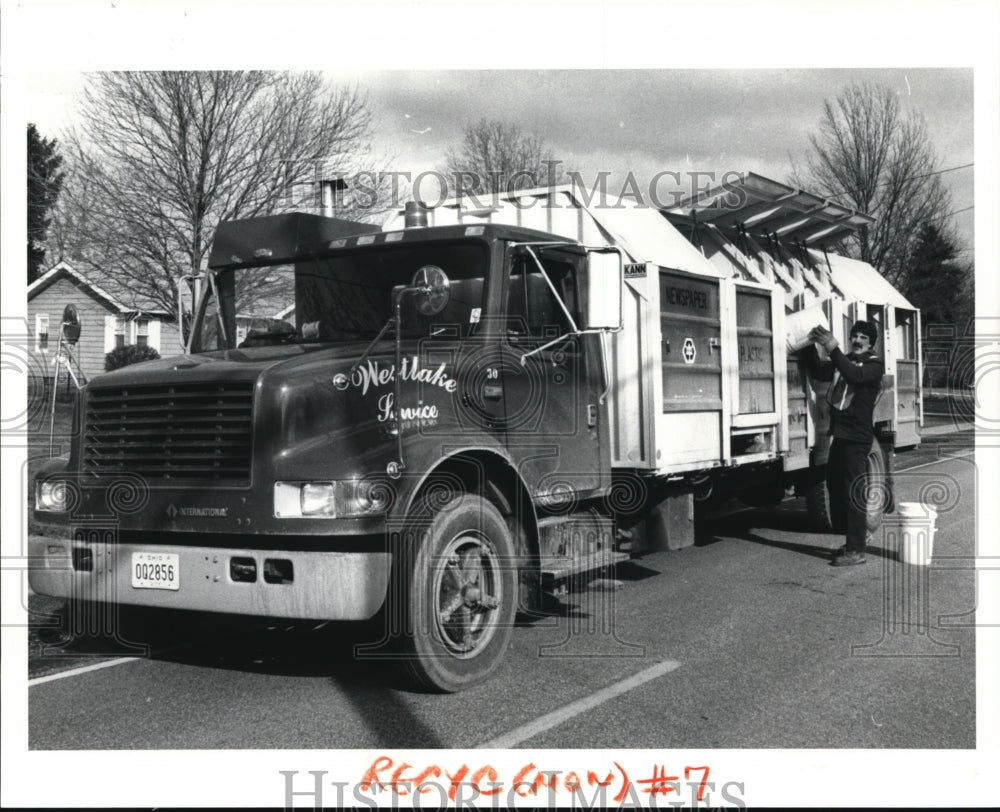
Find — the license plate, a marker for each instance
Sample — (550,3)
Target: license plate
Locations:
(156,571)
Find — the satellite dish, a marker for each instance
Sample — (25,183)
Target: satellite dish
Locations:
(71,324)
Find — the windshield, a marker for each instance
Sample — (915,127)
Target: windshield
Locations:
(347,297)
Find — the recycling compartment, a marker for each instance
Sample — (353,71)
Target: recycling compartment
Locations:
(690,343)
(689,427)
(754,349)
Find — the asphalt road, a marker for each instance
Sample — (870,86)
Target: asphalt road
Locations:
(747,640)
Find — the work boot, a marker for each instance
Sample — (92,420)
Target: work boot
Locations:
(849,558)
(843,547)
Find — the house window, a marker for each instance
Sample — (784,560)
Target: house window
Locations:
(42,332)
(120,327)
(142,332)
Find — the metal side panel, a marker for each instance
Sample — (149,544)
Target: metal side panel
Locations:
(907,403)
(797,415)
(920,370)
(634,359)
(689,437)
(781,369)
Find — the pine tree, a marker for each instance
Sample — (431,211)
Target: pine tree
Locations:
(44,182)
(936,283)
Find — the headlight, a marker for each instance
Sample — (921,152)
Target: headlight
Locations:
(50,495)
(347,499)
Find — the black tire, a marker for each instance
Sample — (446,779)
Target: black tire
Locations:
(878,487)
(818,505)
(460,596)
(818,497)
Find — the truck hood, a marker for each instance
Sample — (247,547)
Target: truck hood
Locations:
(237,365)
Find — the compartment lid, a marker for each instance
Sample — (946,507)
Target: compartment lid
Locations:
(860,280)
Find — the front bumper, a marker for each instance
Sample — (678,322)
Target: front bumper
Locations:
(326,585)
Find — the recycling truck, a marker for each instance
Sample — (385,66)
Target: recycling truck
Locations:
(437,421)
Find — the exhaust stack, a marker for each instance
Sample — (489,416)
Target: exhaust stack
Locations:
(415,215)
(328,195)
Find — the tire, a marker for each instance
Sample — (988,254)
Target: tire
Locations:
(460,596)
(818,505)
(818,497)
(878,487)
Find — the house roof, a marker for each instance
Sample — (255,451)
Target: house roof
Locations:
(63,270)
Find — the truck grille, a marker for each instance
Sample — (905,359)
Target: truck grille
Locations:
(198,431)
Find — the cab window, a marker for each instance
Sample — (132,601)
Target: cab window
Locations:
(532,308)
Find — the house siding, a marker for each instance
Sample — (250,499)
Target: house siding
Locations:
(90,350)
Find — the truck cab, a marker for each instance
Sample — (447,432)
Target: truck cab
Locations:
(360,422)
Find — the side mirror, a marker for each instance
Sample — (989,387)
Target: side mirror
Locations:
(602,287)
(432,290)
(71,324)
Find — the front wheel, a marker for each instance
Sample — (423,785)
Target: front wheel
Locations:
(461,596)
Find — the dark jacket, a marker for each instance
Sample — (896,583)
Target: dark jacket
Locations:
(856,387)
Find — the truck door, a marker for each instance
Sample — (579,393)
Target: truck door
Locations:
(553,417)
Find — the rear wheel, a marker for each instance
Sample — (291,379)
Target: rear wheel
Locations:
(878,487)
(820,509)
(460,597)
(828,521)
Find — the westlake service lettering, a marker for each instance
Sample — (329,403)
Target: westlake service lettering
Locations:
(373,375)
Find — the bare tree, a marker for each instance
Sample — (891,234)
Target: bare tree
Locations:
(868,155)
(496,156)
(161,158)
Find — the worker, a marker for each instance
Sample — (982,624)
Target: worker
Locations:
(855,388)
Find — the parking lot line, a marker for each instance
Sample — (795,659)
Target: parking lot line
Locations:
(550,720)
(938,461)
(73,672)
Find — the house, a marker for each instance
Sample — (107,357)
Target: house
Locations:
(105,322)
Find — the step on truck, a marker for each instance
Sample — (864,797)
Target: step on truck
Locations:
(434,423)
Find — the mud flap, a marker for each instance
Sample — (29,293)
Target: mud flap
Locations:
(670,523)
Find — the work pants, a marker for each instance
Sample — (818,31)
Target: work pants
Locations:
(847,483)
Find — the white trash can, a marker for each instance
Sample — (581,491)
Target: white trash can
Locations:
(917,525)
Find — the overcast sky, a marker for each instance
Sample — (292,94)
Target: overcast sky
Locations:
(731,115)
(621,121)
